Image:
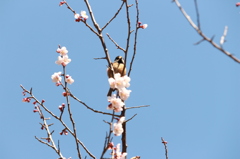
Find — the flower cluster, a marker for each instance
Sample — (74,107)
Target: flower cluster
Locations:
(117,127)
(62,60)
(81,17)
(116,104)
(116,154)
(119,83)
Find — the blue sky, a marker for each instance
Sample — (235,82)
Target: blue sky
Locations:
(193,90)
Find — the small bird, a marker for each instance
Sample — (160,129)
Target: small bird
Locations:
(118,66)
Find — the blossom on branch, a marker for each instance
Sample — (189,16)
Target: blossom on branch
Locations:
(119,82)
(117,127)
(26,100)
(62,51)
(63,60)
(69,79)
(77,17)
(61,107)
(116,154)
(64,131)
(237,4)
(144,26)
(56,77)
(124,94)
(116,103)
(81,17)
(84,15)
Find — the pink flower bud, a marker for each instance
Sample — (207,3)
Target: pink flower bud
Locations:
(65,94)
(35,110)
(237,4)
(26,100)
(61,3)
(43,101)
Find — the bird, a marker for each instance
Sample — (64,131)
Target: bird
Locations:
(118,66)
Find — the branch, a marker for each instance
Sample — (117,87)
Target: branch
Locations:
(199,31)
(113,17)
(138,106)
(131,118)
(165,146)
(135,39)
(70,114)
(119,47)
(69,130)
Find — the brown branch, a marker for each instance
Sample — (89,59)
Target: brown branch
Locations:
(108,138)
(96,111)
(70,114)
(135,39)
(69,130)
(165,146)
(138,106)
(131,118)
(69,7)
(198,16)
(199,31)
(128,35)
(119,47)
(113,17)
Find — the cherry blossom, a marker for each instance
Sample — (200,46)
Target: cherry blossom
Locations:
(63,60)
(69,79)
(56,77)
(116,103)
(84,15)
(62,51)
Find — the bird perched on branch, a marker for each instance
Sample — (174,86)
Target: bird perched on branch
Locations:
(118,66)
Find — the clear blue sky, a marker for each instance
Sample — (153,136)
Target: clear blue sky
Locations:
(193,90)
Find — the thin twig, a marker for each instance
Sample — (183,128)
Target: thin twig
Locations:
(69,130)
(135,39)
(108,138)
(99,58)
(113,17)
(119,47)
(96,111)
(138,106)
(202,35)
(165,146)
(70,113)
(197,12)
(128,37)
(131,118)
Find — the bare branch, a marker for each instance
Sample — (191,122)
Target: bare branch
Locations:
(69,130)
(119,47)
(131,118)
(165,146)
(138,106)
(202,35)
(135,39)
(113,17)
(96,111)
(198,16)
(99,58)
